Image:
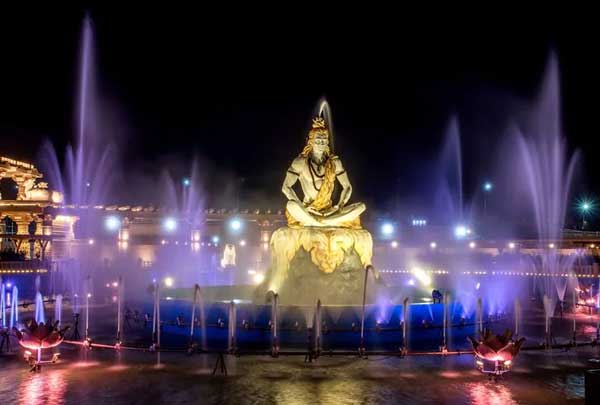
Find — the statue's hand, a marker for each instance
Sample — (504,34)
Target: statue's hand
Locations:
(332,210)
(314,211)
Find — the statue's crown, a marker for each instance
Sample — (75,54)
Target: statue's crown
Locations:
(319,126)
(319,122)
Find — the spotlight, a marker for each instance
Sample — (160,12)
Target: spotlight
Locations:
(487,186)
(215,239)
(472,245)
(186,182)
(170,224)
(242,243)
(461,231)
(112,223)
(168,281)
(551,245)
(433,245)
(258,278)
(91,242)
(235,224)
(394,244)
(115,284)
(511,245)
(387,229)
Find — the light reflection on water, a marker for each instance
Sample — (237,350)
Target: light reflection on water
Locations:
(46,388)
(489,393)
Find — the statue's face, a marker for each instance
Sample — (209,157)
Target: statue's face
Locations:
(321,143)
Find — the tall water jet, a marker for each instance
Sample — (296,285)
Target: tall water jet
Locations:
(2,306)
(517,316)
(232,323)
(480,316)
(449,192)
(317,327)
(405,322)
(197,301)
(444,347)
(547,314)
(58,309)
(120,296)
(273,297)
(14,307)
(549,171)
(40,316)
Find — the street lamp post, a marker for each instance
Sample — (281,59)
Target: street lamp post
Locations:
(586,208)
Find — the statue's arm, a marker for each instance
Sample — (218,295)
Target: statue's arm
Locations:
(291,177)
(342,177)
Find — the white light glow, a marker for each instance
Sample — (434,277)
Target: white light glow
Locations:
(91,242)
(422,276)
(169,281)
(258,278)
(433,245)
(460,231)
(394,244)
(387,229)
(242,243)
(170,224)
(112,223)
(235,224)
(472,245)
(511,245)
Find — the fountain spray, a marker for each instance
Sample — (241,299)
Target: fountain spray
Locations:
(574,317)
(317,328)
(444,348)
(193,319)
(404,349)
(274,298)
(480,316)
(39,308)
(2,305)
(362,349)
(120,291)
(232,327)
(58,308)
(517,316)
(548,339)
(14,308)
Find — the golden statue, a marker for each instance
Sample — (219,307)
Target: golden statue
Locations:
(317,168)
(320,235)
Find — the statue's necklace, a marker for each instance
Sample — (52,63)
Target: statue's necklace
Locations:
(314,171)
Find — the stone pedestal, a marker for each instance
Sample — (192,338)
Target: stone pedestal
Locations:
(318,263)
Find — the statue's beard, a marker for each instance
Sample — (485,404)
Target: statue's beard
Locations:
(319,159)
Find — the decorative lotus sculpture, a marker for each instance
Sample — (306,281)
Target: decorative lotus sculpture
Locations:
(36,336)
(498,351)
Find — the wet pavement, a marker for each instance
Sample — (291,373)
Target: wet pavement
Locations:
(538,377)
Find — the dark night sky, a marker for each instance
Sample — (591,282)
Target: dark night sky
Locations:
(237,91)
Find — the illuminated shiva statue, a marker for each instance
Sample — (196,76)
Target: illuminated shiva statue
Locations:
(318,168)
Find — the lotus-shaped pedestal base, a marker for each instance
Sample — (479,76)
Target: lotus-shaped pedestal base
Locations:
(495,353)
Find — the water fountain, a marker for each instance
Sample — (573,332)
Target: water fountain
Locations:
(14,308)
(40,316)
(232,326)
(58,308)
(549,171)
(2,305)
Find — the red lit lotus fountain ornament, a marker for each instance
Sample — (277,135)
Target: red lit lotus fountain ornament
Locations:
(495,353)
(36,337)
